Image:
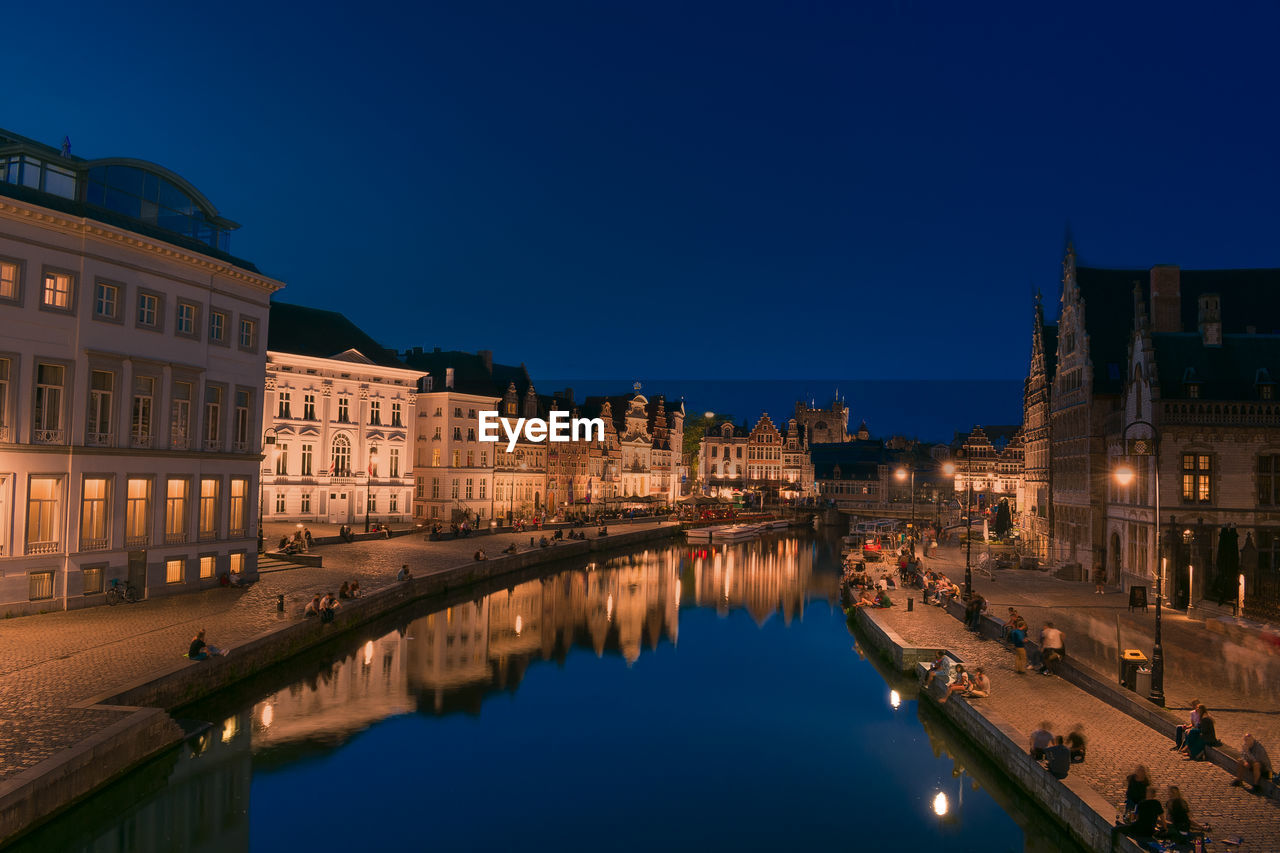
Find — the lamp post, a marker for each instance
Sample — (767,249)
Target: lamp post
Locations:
(268,440)
(1187,538)
(1124,474)
(903,473)
(949,468)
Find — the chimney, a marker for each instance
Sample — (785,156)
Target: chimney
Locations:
(486,355)
(448,378)
(1166,298)
(1210,319)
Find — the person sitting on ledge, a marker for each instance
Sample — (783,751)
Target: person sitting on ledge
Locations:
(355,590)
(882,599)
(479,555)
(981,685)
(1254,765)
(1135,790)
(313,606)
(1057,759)
(1202,736)
(511,549)
(962,684)
(941,666)
(344,591)
(199,650)
(1076,742)
(543,542)
(1180,733)
(1041,739)
(404,574)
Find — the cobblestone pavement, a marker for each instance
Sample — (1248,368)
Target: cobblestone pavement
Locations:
(1238,680)
(51,662)
(1116,742)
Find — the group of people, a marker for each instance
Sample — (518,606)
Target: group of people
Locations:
(1053,645)
(976,686)
(871,592)
(1146,817)
(1058,752)
(299,543)
(326,606)
(1199,733)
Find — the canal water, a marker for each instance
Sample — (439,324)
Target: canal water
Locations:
(676,698)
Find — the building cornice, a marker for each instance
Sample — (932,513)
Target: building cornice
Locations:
(84,227)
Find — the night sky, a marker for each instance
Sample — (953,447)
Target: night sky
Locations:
(730,189)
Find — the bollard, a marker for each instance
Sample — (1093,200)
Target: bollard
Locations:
(911,604)
(279,603)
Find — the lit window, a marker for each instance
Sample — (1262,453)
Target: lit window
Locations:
(93,514)
(207,564)
(137,513)
(209,489)
(1197,471)
(92,580)
(239,506)
(43,498)
(175,511)
(57,291)
(10,281)
(175,569)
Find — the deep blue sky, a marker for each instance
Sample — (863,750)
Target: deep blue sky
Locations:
(729,189)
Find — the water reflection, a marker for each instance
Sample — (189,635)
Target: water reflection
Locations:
(774,713)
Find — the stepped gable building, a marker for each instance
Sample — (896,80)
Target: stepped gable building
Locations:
(824,426)
(1036,515)
(1090,369)
(338,422)
(454,472)
(131,382)
(735,459)
(1210,390)
(992,459)
(650,437)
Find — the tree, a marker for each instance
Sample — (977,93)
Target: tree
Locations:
(694,430)
(1004,520)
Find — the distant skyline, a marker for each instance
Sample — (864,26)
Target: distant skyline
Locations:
(737,190)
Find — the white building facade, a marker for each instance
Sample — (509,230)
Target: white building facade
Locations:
(131,383)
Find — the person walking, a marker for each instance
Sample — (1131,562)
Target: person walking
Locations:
(1052,648)
(1099,578)
(1018,639)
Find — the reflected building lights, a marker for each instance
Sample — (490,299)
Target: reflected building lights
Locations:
(268,714)
(230,727)
(940,805)
(895,699)
(368,653)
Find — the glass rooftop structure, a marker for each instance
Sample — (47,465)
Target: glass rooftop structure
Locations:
(162,202)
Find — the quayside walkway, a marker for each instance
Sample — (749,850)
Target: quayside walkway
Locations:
(1116,742)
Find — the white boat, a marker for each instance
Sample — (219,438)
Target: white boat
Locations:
(699,534)
(735,533)
(779,524)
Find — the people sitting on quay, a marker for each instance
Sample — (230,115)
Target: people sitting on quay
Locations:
(543,542)
(941,666)
(344,533)
(344,591)
(1057,758)
(313,606)
(1148,819)
(404,574)
(199,650)
(974,608)
(1077,743)
(604,530)
(1011,621)
(962,684)
(1179,824)
(1135,789)
(1180,732)
(511,549)
(1254,765)
(355,590)
(1041,739)
(1202,736)
(480,555)
(981,685)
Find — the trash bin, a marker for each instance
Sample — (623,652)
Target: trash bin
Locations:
(1143,681)
(1130,661)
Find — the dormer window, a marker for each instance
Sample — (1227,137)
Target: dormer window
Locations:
(1266,387)
(1191,383)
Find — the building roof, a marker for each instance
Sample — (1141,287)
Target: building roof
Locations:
(1250,297)
(1234,371)
(473,373)
(857,459)
(300,330)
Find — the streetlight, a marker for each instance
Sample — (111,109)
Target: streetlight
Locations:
(1187,537)
(268,440)
(902,473)
(1124,475)
(949,468)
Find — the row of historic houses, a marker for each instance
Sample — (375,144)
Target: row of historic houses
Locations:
(158,405)
(1155,388)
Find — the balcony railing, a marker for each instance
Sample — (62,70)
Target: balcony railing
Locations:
(48,436)
(4,434)
(179,538)
(240,447)
(99,439)
(42,548)
(235,533)
(135,542)
(95,544)
(140,441)
(178,439)
(213,445)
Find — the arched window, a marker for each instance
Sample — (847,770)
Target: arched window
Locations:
(341,464)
